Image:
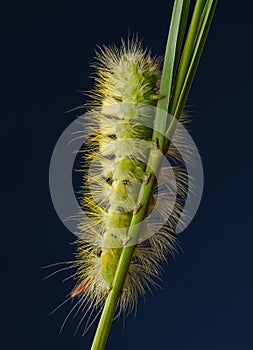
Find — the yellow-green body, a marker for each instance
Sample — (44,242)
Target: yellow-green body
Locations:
(138,84)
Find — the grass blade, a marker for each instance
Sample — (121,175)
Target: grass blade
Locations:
(203,30)
(187,52)
(181,34)
(173,48)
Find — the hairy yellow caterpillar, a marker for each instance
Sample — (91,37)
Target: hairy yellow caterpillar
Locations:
(120,124)
(137,169)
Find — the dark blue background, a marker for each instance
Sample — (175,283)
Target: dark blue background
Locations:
(206,296)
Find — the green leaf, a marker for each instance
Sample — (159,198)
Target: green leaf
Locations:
(181,34)
(173,47)
(187,53)
(193,60)
(170,54)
